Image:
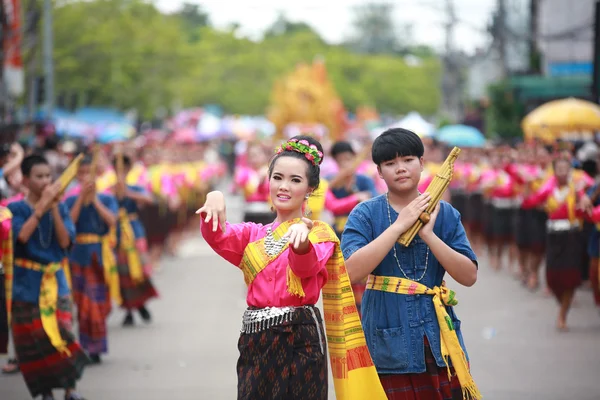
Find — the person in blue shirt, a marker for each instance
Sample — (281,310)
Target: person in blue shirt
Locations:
(92,260)
(48,354)
(353,189)
(406,297)
(132,248)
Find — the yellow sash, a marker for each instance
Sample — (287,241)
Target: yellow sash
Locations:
(450,346)
(48,301)
(127,244)
(7,260)
(109,262)
(552,203)
(354,375)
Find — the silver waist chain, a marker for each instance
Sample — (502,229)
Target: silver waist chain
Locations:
(262,319)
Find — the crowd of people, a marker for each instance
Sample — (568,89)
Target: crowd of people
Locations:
(389,325)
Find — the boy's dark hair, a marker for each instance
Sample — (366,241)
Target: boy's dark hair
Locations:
(340,148)
(126,161)
(87,159)
(31,161)
(313,172)
(396,142)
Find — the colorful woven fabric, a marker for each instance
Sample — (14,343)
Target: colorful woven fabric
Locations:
(284,362)
(109,261)
(42,366)
(134,293)
(92,298)
(433,384)
(354,374)
(48,300)
(450,346)
(127,245)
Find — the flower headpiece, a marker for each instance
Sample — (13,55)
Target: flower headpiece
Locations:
(310,151)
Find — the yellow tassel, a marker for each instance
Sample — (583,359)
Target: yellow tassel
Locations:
(294,284)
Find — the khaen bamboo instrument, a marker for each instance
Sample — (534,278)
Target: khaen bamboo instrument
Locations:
(436,189)
(120,166)
(69,173)
(94,165)
(342,177)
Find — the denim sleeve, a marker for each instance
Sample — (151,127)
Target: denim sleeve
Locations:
(457,239)
(357,232)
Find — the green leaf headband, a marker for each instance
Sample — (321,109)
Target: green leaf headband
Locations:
(310,151)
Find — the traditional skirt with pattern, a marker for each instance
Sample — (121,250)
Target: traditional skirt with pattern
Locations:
(537,231)
(284,362)
(473,216)
(157,221)
(488,220)
(564,255)
(3,318)
(135,295)
(522,227)
(42,366)
(459,199)
(502,223)
(433,384)
(91,295)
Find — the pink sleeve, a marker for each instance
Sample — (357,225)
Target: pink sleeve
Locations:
(229,244)
(5,228)
(595,217)
(515,173)
(340,206)
(537,198)
(313,262)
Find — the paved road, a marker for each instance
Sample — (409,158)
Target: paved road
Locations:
(189,351)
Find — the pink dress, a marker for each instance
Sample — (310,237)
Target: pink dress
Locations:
(269,288)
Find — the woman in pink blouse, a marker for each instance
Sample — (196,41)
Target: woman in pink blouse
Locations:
(286,263)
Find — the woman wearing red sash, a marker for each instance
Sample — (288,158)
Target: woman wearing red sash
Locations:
(286,263)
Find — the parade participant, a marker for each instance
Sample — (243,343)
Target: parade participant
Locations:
(342,199)
(285,265)
(132,255)
(6,274)
(411,329)
(49,356)
(251,179)
(92,260)
(565,244)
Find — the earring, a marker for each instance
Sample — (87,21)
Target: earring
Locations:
(307,196)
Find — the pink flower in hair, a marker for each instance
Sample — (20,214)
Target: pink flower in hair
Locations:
(312,146)
(294,140)
(304,142)
(289,147)
(320,154)
(310,157)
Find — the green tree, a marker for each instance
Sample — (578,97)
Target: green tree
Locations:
(192,18)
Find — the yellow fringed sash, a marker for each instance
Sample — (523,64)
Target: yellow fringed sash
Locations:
(354,374)
(127,244)
(7,260)
(450,346)
(48,301)
(109,262)
(552,203)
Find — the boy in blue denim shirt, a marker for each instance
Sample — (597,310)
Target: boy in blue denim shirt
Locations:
(407,343)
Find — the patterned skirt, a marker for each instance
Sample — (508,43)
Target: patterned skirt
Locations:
(473,216)
(502,223)
(433,384)
(42,366)
(91,295)
(135,295)
(3,318)
(564,256)
(284,362)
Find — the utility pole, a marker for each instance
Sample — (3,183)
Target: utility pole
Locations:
(48,50)
(501,29)
(451,80)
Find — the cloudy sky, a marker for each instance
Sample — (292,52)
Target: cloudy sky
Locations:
(334,22)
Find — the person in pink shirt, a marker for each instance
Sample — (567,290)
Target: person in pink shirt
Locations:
(251,180)
(285,263)
(565,242)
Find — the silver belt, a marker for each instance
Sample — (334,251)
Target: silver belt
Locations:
(561,225)
(261,319)
(1,268)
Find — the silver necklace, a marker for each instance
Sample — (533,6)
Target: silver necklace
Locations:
(272,246)
(387,198)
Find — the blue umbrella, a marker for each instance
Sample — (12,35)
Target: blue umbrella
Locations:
(461,136)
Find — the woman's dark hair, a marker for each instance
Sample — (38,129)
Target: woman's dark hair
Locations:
(396,142)
(341,148)
(31,161)
(313,172)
